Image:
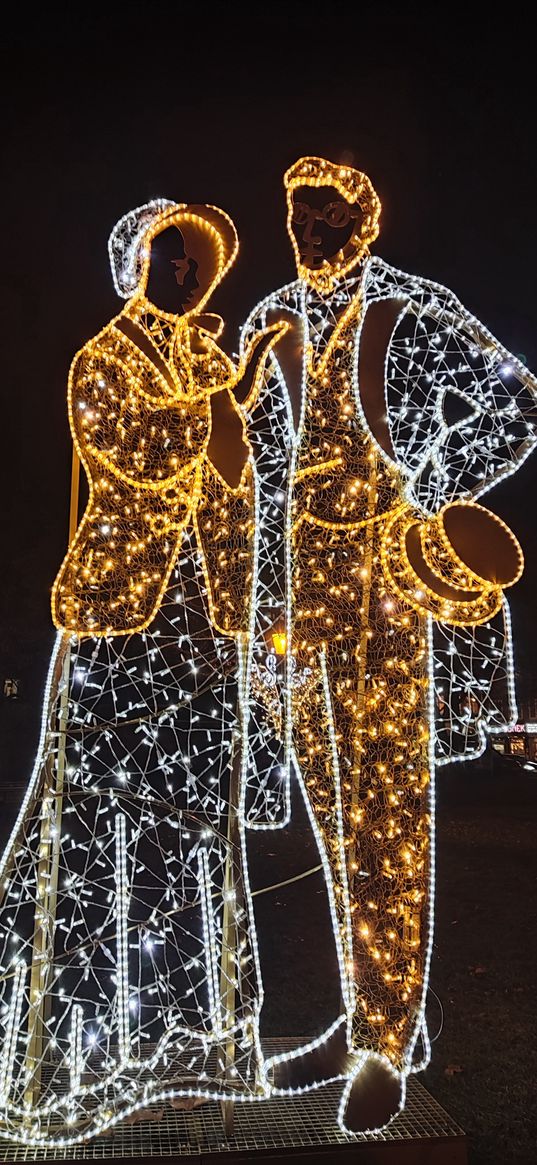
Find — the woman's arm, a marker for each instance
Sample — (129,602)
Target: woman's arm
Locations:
(143,437)
(228,448)
(253,363)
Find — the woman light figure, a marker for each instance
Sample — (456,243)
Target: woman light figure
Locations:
(125,933)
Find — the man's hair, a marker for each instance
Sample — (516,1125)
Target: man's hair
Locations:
(352,184)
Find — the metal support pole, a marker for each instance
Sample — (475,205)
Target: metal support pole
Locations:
(49,852)
(228,962)
(232,881)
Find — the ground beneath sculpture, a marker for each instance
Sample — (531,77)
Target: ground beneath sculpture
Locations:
(305,1125)
(484,1068)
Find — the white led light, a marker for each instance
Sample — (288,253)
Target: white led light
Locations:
(135,902)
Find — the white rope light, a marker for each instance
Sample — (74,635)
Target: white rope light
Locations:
(284,624)
(398,672)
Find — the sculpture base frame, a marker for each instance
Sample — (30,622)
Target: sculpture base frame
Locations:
(302,1128)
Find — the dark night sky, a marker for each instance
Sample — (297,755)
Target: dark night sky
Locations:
(102,113)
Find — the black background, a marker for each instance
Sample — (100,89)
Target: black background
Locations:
(102,111)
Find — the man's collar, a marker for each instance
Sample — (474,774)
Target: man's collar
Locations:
(342,294)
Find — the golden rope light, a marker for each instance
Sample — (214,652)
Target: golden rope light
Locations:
(142,432)
(234,627)
(368,572)
(357,189)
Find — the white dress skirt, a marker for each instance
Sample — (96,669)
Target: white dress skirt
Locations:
(112,960)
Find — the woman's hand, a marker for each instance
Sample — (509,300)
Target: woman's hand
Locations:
(247,385)
(290,355)
(228,448)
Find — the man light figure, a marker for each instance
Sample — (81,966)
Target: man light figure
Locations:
(400,413)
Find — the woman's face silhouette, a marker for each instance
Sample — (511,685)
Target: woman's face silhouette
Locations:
(173,285)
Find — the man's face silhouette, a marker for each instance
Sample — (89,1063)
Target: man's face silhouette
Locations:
(322,222)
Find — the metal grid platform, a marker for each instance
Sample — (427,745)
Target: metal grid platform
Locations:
(302,1127)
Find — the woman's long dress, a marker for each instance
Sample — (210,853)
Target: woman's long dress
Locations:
(127,970)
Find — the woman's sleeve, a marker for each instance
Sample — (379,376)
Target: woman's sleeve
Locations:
(144,437)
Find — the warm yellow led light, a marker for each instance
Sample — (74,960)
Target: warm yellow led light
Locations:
(371,688)
(356,188)
(139,410)
(363,547)
(477,605)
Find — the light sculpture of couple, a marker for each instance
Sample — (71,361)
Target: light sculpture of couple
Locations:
(317,496)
